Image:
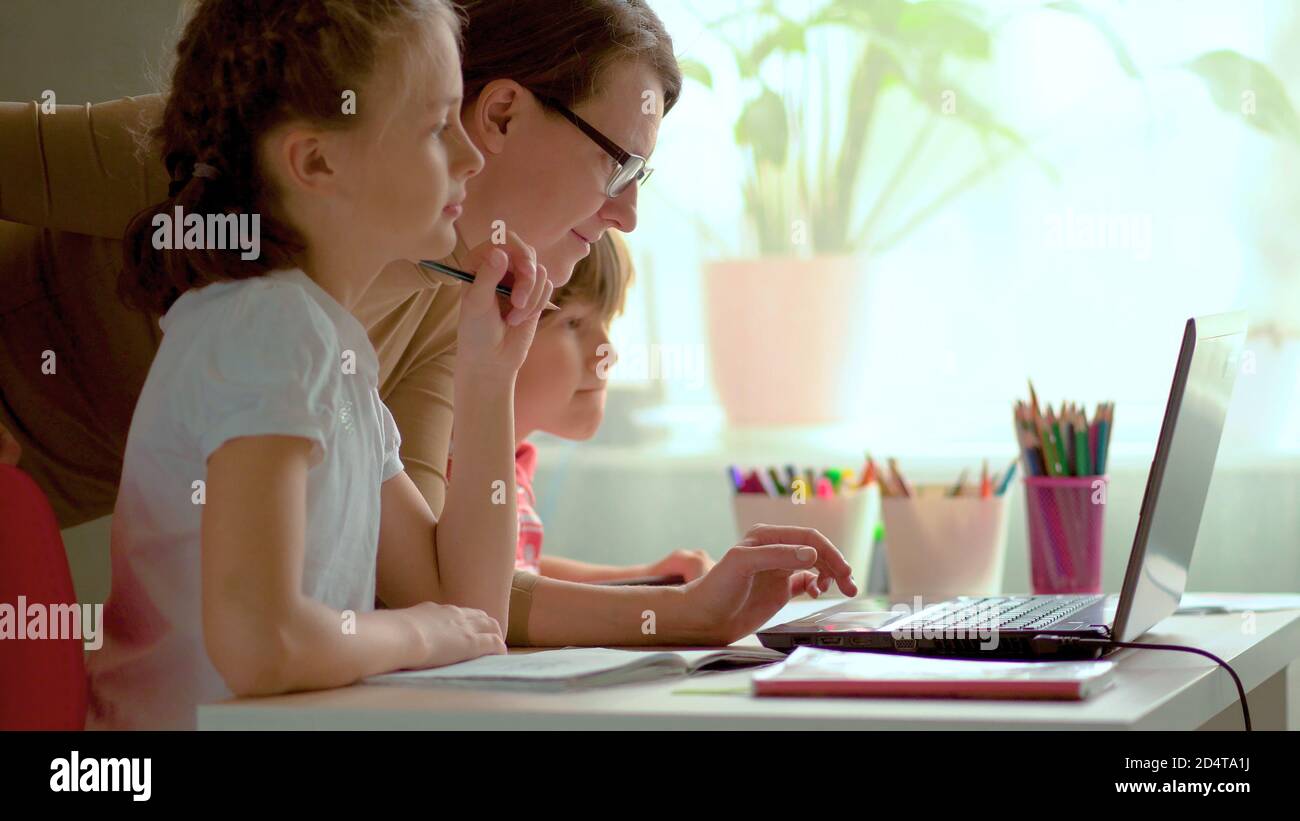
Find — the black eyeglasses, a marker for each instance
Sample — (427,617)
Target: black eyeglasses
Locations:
(631,167)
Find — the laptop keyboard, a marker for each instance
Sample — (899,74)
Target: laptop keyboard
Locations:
(1003,613)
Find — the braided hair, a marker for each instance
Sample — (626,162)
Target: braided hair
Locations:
(243,67)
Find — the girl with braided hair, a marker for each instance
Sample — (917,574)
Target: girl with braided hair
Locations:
(248,525)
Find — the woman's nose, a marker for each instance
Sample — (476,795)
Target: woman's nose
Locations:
(621,210)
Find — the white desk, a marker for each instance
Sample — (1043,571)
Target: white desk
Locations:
(1155,690)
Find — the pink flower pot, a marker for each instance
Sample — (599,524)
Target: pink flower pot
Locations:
(785,338)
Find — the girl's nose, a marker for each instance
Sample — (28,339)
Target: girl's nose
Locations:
(468,160)
(605,352)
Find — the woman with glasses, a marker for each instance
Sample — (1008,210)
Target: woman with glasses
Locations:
(564,100)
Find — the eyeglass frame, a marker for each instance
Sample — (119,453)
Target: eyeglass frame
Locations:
(613,149)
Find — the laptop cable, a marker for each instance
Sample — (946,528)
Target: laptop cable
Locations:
(1045,642)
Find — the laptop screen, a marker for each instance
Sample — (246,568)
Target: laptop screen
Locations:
(1180,473)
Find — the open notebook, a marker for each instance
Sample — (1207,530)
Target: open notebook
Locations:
(576,668)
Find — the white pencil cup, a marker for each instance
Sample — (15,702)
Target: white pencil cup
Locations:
(940,546)
(848,520)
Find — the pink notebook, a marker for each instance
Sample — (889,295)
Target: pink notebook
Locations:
(813,672)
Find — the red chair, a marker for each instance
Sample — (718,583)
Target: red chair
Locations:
(42,681)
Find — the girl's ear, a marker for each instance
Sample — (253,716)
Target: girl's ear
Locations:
(300,159)
(488,118)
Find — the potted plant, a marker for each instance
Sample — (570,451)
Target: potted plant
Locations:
(782,322)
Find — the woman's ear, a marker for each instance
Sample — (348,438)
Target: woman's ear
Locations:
(488,118)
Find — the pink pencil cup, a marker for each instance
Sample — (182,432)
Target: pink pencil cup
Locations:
(1065,532)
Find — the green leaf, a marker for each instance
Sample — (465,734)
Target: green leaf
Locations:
(1247,88)
(923,31)
(966,109)
(1104,28)
(969,111)
(879,16)
(764,127)
(697,71)
(787,37)
(946,28)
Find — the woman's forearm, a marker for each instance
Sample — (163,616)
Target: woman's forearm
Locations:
(476,535)
(563,613)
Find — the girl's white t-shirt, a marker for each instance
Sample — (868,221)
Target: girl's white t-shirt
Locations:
(270,355)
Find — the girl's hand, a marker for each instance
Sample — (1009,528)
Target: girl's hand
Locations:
(758,576)
(446,634)
(494,335)
(689,564)
(10,450)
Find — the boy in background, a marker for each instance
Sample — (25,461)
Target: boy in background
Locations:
(561,390)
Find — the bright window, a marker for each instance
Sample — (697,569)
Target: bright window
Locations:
(1163,206)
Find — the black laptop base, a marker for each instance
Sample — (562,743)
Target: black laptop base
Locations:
(856,626)
(1010,645)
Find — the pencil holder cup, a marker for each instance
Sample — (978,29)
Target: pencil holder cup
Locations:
(1065,514)
(848,520)
(940,546)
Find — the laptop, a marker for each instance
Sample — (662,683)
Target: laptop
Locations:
(991,627)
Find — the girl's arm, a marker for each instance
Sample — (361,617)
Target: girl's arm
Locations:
(573,570)
(689,564)
(262,634)
(466,555)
